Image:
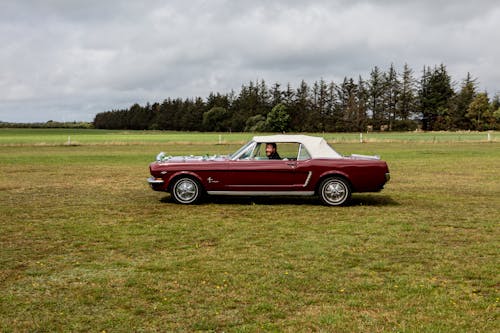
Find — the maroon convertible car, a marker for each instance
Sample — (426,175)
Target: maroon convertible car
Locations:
(271,165)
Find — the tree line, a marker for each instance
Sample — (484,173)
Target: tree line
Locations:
(48,124)
(387,100)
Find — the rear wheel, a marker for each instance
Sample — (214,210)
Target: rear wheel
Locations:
(335,191)
(186,190)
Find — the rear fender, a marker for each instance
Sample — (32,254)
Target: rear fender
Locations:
(332,173)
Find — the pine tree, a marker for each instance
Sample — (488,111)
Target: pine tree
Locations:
(333,115)
(407,103)
(462,101)
(375,93)
(264,98)
(317,117)
(348,95)
(392,90)
(302,106)
(362,101)
(435,99)
(276,95)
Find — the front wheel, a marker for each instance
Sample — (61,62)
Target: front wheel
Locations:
(335,191)
(186,191)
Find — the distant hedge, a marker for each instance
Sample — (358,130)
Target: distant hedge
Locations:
(48,124)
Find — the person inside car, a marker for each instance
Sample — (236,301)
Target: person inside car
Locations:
(271,151)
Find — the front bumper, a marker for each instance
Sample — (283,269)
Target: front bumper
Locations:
(156,183)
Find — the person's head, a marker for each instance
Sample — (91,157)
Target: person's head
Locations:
(270,148)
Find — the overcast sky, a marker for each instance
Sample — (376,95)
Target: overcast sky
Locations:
(68,60)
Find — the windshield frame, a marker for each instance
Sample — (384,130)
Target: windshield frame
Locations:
(248,147)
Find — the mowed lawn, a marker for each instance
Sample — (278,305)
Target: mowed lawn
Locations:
(85,245)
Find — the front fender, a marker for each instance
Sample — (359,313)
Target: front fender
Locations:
(181,174)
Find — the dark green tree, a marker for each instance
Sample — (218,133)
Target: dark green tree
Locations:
(276,94)
(192,117)
(435,97)
(479,113)
(299,108)
(376,97)
(391,95)
(318,112)
(216,119)
(362,105)
(353,119)
(278,119)
(252,100)
(256,124)
(407,102)
(462,101)
(218,99)
(495,110)
(333,109)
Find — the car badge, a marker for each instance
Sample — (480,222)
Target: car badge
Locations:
(211,180)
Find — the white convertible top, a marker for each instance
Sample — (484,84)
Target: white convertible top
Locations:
(316,146)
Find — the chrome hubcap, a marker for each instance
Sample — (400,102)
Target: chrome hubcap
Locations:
(334,191)
(186,190)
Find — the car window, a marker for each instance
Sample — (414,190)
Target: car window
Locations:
(286,150)
(290,151)
(303,153)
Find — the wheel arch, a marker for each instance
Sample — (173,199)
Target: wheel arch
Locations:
(186,174)
(331,174)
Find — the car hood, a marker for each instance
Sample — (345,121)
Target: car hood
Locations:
(164,158)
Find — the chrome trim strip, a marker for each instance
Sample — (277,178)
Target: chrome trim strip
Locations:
(261,193)
(261,185)
(308,179)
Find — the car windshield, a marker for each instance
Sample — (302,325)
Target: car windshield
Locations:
(243,152)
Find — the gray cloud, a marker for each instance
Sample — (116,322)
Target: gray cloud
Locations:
(68,60)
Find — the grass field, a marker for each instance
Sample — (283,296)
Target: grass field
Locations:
(42,137)
(87,246)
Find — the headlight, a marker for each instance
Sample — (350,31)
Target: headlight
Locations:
(160,157)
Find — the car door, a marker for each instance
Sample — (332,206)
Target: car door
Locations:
(258,173)
(302,167)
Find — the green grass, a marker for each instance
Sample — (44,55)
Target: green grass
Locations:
(87,246)
(42,137)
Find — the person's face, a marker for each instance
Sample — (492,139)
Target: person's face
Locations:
(269,149)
